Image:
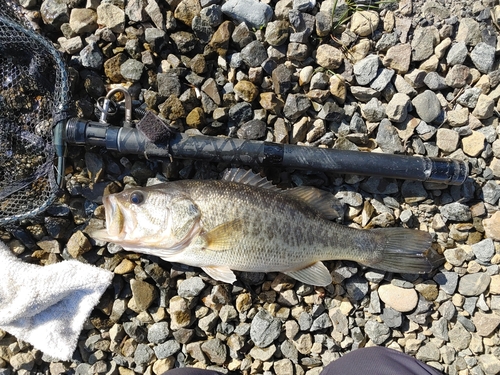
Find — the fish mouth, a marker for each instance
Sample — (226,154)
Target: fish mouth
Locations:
(118,222)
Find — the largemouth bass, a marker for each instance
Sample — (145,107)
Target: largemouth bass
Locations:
(244,223)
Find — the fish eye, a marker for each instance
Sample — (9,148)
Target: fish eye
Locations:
(136,197)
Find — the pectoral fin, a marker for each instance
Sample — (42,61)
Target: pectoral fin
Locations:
(315,274)
(224,236)
(220,273)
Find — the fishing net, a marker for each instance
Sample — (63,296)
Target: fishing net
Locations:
(34,97)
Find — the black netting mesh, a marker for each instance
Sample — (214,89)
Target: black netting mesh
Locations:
(33,98)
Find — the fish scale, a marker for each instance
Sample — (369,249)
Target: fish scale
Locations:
(245,224)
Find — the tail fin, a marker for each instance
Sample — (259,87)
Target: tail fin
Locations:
(404,250)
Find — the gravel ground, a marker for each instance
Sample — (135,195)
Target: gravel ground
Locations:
(410,77)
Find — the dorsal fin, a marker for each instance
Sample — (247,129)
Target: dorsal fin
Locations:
(243,176)
(322,201)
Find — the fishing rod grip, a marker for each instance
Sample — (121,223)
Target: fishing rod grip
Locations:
(257,153)
(122,139)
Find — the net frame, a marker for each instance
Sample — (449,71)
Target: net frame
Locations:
(34,101)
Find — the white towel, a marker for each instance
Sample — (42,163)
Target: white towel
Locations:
(47,306)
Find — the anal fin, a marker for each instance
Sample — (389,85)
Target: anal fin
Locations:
(220,273)
(316,274)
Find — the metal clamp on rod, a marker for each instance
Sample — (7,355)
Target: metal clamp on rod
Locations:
(105,107)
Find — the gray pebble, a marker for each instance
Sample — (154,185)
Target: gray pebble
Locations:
(470,97)
(456,212)
(213,14)
(374,307)
(167,349)
(153,35)
(81,369)
(295,106)
(459,337)
(373,111)
(135,330)
(402,283)
(489,132)
(405,216)
(428,352)
(425,131)
(386,41)
(305,321)
(421,312)
(54,13)
(424,40)
(91,56)
(339,321)
(303,5)
(343,272)
(254,54)
(350,198)
(383,78)
(427,106)
(473,284)
(331,111)
(377,332)
(374,276)
(216,350)
(303,26)
(391,317)
(379,185)
(483,57)
(168,84)
(132,70)
(158,332)
(435,82)
(253,129)
(183,335)
(357,287)
(240,113)
(413,192)
(439,328)
(143,354)
(457,54)
(254,13)
(364,94)
(357,124)
(468,325)
(242,329)
(481,303)
(289,351)
(264,329)
(321,322)
(447,281)
(366,70)
(388,138)
(484,250)
(491,192)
